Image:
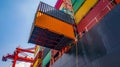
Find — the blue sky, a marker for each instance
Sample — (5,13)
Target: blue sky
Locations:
(16,18)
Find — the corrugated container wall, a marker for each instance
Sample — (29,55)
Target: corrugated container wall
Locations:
(49,30)
(77,5)
(95,15)
(51,11)
(99,47)
(73,1)
(54,25)
(45,52)
(46,60)
(84,9)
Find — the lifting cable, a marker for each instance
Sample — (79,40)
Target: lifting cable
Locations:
(66,4)
(77,51)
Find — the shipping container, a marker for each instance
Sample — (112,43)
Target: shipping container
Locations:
(48,39)
(68,5)
(51,11)
(99,47)
(46,60)
(51,32)
(95,15)
(73,1)
(77,5)
(66,11)
(58,4)
(37,59)
(85,8)
(62,7)
(54,25)
(45,52)
(117,1)
(37,48)
(37,62)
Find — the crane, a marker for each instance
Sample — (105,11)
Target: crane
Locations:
(15,57)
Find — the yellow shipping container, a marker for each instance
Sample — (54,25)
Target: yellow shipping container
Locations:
(84,10)
(37,62)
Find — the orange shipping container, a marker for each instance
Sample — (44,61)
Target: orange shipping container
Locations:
(54,25)
(117,1)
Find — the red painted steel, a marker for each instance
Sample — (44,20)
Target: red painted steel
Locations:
(19,58)
(54,52)
(94,16)
(58,54)
(58,4)
(15,57)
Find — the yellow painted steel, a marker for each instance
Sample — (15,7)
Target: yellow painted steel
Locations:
(88,4)
(36,49)
(54,25)
(37,62)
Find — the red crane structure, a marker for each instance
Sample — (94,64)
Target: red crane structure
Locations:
(15,57)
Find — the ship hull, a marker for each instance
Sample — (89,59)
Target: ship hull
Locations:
(99,47)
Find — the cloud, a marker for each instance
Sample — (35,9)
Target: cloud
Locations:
(22,64)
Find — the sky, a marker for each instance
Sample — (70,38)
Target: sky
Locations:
(16,18)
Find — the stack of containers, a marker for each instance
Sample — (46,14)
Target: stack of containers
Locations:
(80,7)
(88,13)
(65,6)
(37,60)
(37,49)
(45,52)
(42,57)
(52,28)
(77,4)
(73,1)
(84,9)
(46,59)
(60,5)
(94,16)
